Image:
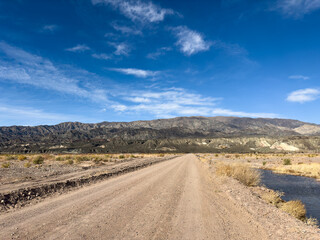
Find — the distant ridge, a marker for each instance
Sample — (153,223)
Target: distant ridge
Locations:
(76,136)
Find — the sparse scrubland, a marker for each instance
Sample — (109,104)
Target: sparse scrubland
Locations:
(184,188)
(243,167)
(29,176)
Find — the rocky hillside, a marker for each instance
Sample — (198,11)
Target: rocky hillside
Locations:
(116,136)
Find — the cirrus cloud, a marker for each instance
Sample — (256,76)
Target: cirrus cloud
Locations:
(136,10)
(135,72)
(175,102)
(297,8)
(304,95)
(78,48)
(189,41)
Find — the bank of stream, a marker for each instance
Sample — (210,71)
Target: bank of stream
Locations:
(295,188)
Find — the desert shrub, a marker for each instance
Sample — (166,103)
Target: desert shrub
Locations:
(5,165)
(223,169)
(161,155)
(38,160)
(27,164)
(243,173)
(264,163)
(48,156)
(294,208)
(286,161)
(216,155)
(10,157)
(122,156)
(22,157)
(98,159)
(59,159)
(69,161)
(273,197)
(312,221)
(247,175)
(82,159)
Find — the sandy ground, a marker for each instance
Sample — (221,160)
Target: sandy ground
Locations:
(175,199)
(17,177)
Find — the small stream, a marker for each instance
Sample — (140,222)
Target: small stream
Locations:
(295,188)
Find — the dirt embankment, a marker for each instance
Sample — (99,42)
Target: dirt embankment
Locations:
(14,195)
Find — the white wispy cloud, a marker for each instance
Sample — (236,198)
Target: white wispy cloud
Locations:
(32,116)
(50,28)
(126,29)
(136,10)
(189,41)
(177,102)
(299,77)
(227,112)
(78,48)
(136,72)
(159,52)
(297,8)
(102,56)
(304,95)
(230,48)
(26,68)
(121,48)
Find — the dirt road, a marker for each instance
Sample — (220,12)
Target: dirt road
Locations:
(170,200)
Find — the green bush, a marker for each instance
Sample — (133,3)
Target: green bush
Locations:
(264,163)
(286,161)
(122,156)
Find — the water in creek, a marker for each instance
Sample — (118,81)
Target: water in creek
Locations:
(295,188)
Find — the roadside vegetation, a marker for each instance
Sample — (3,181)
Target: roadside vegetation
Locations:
(244,168)
(300,169)
(42,160)
(242,172)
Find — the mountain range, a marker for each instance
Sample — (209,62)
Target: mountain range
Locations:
(182,134)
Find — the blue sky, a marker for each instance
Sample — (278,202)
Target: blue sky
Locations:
(125,60)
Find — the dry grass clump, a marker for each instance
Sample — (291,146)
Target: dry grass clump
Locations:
(27,164)
(302,169)
(69,162)
(312,221)
(22,157)
(38,160)
(5,165)
(82,159)
(295,208)
(60,159)
(10,157)
(273,197)
(242,172)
